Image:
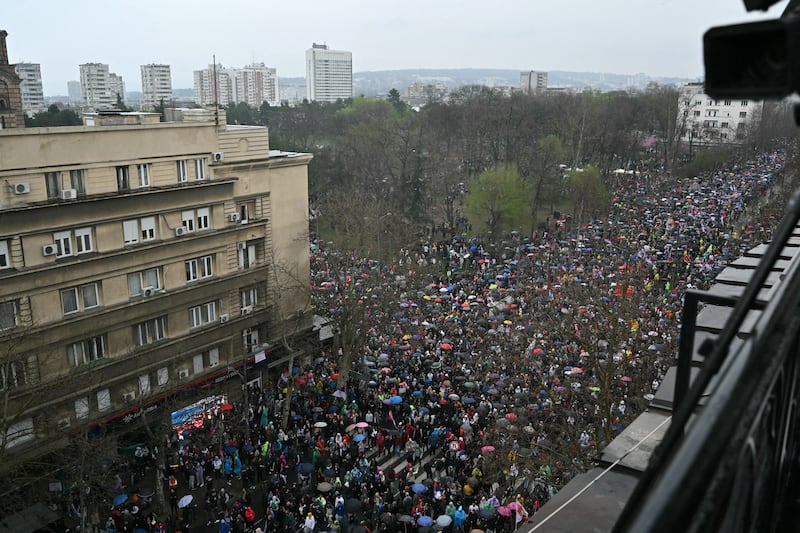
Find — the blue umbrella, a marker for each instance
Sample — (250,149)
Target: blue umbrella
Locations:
(333,409)
(424,521)
(396,400)
(359,437)
(419,488)
(417,393)
(248,448)
(230,450)
(468,400)
(119,500)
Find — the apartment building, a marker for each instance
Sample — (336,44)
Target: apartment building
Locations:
(532,81)
(252,84)
(30,76)
(329,74)
(156,85)
(140,258)
(704,120)
(100,87)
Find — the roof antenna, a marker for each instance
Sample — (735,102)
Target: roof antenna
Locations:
(216,89)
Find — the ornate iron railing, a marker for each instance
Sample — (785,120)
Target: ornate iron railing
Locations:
(729,461)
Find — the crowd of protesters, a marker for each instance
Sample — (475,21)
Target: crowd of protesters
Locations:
(488,373)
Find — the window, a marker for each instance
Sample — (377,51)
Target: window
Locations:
(723,136)
(86,351)
(249,297)
(250,339)
(144,384)
(183,175)
(187,217)
(202,314)
(711,102)
(12,374)
(247,210)
(744,103)
(199,218)
(77,181)
(19,433)
(81,298)
(162,376)
(711,113)
(741,126)
(63,242)
(138,281)
(5,257)
(143,171)
(742,114)
(8,315)
(697,113)
(200,169)
(82,408)
(52,181)
(724,125)
(199,268)
(103,400)
(727,102)
(123,179)
(197,363)
(83,241)
(143,229)
(203,218)
(213,357)
(150,331)
(247,255)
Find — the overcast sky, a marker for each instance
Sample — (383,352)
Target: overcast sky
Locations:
(657,37)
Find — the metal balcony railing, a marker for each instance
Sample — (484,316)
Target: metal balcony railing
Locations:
(729,461)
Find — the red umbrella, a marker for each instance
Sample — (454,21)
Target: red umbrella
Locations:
(226,406)
(385,370)
(335,376)
(538,351)
(300,381)
(446,346)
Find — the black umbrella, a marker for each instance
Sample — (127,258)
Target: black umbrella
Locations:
(353,505)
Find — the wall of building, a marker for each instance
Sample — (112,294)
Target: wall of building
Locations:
(239,232)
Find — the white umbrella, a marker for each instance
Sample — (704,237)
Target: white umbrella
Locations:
(186,500)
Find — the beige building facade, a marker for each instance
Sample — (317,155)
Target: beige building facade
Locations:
(140,258)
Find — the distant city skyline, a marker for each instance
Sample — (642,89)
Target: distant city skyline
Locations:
(658,38)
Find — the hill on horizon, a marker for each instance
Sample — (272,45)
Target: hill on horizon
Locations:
(380,82)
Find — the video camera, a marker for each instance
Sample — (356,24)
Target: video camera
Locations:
(758,60)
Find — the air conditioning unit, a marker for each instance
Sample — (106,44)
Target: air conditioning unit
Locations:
(49,249)
(223,318)
(233,217)
(22,188)
(69,194)
(183,373)
(129,396)
(218,156)
(247,309)
(181,230)
(148,291)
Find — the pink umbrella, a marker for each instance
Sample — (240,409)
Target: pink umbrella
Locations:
(385,370)
(626,379)
(487,449)
(576,370)
(511,416)
(362,425)
(505,511)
